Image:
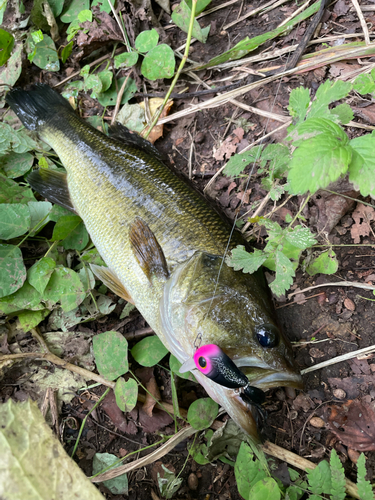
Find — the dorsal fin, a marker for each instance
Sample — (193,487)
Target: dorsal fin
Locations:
(110,280)
(147,250)
(123,134)
(52,185)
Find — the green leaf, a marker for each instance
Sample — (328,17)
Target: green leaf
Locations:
(132,116)
(126,60)
(248,262)
(181,17)
(343,112)
(103,5)
(24,298)
(11,192)
(126,394)
(327,93)
(201,5)
(6,46)
(198,450)
(106,77)
(300,237)
(325,263)
(149,351)
(56,7)
(266,489)
(71,229)
(109,97)
(320,478)
(65,287)
(322,157)
(159,63)
(39,273)
(247,470)
(111,354)
(240,161)
(202,413)
(37,36)
(66,51)
(57,212)
(365,490)
(14,220)
(146,40)
(39,215)
(10,73)
(338,477)
(93,257)
(175,366)
(299,101)
(362,167)
(117,485)
(85,15)
(31,319)
(70,13)
(12,269)
(364,84)
(46,55)
(16,164)
(3,6)
(284,274)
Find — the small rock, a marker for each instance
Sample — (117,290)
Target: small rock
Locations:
(353,455)
(199,138)
(339,393)
(349,304)
(193,481)
(317,422)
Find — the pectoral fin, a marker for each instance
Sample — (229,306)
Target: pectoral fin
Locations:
(52,185)
(111,281)
(147,251)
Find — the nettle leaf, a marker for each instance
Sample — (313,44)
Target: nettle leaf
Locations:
(240,161)
(126,394)
(24,298)
(159,63)
(343,112)
(299,101)
(321,159)
(111,354)
(365,490)
(181,17)
(149,351)
(362,167)
(146,40)
(284,274)
(364,84)
(12,269)
(338,477)
(65,287)
(325,263)
(300,237)
(202,413)
(39,273)
(247,470)
(246,261)
(326,94)
(14,220)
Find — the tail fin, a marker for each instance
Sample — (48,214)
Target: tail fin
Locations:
(35,106)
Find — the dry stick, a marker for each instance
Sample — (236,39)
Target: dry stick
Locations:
(339,359)
(301,463)
(115,15)
(119,97)
(257,211)
(182,64)
(337,283)
(295,13)
(362,20)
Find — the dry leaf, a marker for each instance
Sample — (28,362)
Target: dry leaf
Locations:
(154,104)
(229,146)
(362,216)
(102,29)
(152,396)
(354,424)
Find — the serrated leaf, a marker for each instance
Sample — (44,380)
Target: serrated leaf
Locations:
(202,413)
(247,470)
(344,113)
(325,263)
(327,93)
(321,159)
(320,478)
(111,354)
(300,237)
(24,298)
(159,63)
(149,351)
(365,490)
(146,40)
(299,101)
(39,273)
(362,167)
(364,84)
(65,287)
(338,477)
(265,489)
(240,161)
(246,261)
(16,164)
(181,17)
(12,270)
(126,393)
(284,274)
(14,220)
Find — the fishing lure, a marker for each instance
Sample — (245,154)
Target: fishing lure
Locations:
(216,365)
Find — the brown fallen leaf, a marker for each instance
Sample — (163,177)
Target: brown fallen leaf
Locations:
(229,146)
(102,29)
(152,396)
(353,423)
(362,216)
(154,104)
(117,417)
(367,113)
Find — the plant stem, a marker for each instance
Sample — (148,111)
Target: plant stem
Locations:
(300,210)
(182,64)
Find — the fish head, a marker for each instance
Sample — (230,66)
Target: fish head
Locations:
(206,302)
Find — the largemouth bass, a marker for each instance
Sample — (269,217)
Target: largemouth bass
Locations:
(163,245)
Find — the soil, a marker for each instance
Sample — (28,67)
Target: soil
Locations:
(340,319)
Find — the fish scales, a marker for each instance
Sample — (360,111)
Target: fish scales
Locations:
(165,245)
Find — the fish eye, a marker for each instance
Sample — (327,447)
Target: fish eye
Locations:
(267,335)
(202,362)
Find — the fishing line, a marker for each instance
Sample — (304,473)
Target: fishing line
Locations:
(246,188)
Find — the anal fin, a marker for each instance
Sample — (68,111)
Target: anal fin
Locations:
(147,251)
(110,280)
(52,185)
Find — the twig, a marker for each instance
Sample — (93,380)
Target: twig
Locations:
(337,283)
(257,211)
(271,5)
(295,13)
(362,20)
(301,463)
(115,15)
(119,98)
(338,359)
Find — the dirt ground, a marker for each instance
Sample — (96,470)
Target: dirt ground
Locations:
(339,318)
